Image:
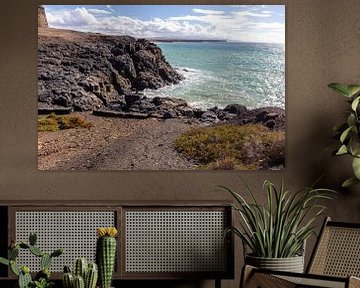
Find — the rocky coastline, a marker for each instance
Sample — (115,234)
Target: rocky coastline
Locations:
(106,74)
(139,106)
(90,75)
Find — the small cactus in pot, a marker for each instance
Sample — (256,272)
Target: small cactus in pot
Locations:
(42,278)
(106,254)
(85,275)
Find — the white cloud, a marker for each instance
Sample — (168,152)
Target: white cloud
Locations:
(276,26)
(267,12)
(250,14)
(208,12)
(76,17)
(98,11)
(235,26)
(110,8)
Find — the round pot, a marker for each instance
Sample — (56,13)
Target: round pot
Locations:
(291,264)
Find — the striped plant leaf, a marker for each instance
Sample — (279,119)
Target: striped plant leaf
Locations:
(279,228)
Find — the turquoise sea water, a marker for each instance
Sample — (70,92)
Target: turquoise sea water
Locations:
(217,74)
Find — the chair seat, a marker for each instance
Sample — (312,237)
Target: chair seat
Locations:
(263,278)
(335,262)
(314,282)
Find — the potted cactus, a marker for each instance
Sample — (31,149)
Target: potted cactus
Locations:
(84,275)
(42,278)
(106,254)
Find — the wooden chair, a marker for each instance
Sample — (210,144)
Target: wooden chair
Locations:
(334,263)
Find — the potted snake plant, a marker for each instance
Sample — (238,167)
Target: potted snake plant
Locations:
(274,234)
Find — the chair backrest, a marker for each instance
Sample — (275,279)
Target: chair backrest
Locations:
(337,251)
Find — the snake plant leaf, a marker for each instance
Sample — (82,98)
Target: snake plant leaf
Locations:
(353,89)
(345,134)
(356,167)
(355,103)
(349,182)
(342,150)
(278,228)
(340,88)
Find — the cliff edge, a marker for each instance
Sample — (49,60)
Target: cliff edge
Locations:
(87,71)
(42,20)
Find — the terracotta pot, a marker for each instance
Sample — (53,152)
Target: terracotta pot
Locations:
(291,264)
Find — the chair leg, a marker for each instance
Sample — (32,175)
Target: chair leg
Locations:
(217,282)
(246,274)
(251,279)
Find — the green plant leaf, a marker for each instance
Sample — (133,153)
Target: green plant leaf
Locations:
(279,228)
(340,127)
(349,182)
(4,261)
(353,89)
(14,268)
(342,150)
(355,103)
(345,134)
(340,88)
(351,120)
(356,167)
(354,145)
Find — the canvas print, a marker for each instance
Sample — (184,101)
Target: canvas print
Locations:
(161,87)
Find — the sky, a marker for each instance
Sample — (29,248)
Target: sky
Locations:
(245,23)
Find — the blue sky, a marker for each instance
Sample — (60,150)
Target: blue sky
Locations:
(247,23)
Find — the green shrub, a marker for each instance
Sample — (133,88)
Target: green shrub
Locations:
(233,147)
(60,122)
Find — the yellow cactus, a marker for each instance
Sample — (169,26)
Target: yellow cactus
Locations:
(106,231)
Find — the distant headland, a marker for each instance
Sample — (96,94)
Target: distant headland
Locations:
(171,40)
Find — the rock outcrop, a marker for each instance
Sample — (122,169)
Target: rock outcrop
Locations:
(106,74)
(139,106)
(42,20)
(87,71)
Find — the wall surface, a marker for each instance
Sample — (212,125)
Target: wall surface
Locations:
(322,46)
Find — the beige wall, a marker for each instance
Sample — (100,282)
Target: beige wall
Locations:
(322,46)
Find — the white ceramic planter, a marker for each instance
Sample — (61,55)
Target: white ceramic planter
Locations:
(291,264)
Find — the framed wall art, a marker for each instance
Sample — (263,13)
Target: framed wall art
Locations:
(161,87)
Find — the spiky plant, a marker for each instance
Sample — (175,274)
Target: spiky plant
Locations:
(42,278)
(106,254)
(279,229)
(84,274)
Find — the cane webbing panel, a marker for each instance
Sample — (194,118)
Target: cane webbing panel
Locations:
(260,280)
(175,241)
(338,252)
(313,282)
(75,231)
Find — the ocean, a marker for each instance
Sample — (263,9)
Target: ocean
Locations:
(222,73)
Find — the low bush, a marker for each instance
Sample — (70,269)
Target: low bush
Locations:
(233,147)
(60,122)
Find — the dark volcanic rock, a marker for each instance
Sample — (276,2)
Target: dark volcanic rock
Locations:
(271,117)
(86,71)
(236,109)
(209,116)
